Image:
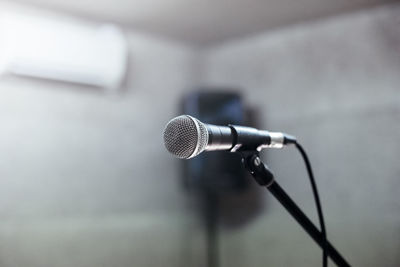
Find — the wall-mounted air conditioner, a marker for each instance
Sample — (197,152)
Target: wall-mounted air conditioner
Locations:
(62,50)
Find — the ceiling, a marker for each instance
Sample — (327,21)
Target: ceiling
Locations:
(205,22)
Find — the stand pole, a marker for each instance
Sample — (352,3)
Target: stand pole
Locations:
(265,178)
(305,222)
(211,214)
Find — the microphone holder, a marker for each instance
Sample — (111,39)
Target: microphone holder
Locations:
(264,177)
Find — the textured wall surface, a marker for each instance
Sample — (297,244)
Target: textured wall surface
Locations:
(85,181)
(334,84)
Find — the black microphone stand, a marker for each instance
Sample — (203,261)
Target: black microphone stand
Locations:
(264,177)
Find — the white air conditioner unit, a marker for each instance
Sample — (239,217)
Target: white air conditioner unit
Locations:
(62,50)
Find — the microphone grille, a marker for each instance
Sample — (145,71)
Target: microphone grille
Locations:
(185,137)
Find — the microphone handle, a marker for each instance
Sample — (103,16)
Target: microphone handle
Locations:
(235,137)
(219,138)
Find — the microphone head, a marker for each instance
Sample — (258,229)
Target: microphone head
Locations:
(185,137)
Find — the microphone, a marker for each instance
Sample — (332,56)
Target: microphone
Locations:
(185,137)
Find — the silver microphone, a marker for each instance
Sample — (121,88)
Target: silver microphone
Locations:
(185,137)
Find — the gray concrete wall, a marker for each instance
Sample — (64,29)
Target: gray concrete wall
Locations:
(334,84)
(85,180)
(77,188)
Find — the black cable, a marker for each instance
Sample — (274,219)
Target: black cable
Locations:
(317,203)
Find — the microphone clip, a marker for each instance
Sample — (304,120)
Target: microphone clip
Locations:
(259,170)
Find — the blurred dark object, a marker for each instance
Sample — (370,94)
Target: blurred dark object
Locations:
(218,171)
(227,194)
(214,173)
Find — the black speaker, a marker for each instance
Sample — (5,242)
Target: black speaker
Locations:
(217,171)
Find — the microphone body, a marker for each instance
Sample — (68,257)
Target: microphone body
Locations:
(235,137)
(186,137)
